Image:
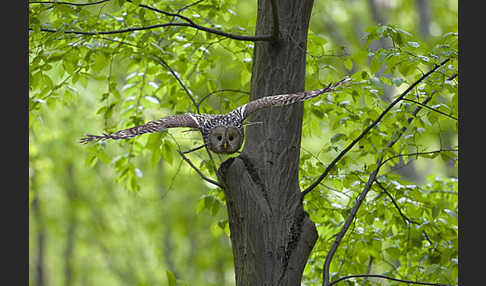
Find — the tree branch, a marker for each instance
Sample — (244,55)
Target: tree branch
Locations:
(362,195)
(419,153)
(405,218)
(179,80)
(199,171)
(220,90)
(194,149)
(385,277)
(189,5)
(68,3)
(191,23)
(431,108)
(362,135)
(347,224)
(127,30)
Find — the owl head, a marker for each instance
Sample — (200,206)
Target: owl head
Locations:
(224,139)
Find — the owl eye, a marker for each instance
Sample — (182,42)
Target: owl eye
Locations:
(230,138)
(219,137)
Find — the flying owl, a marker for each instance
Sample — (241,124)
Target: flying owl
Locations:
(222,133)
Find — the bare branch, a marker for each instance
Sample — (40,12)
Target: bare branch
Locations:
(199,171)
(452,76)
(362,135)
(419,153)
(179,80)
(189,5)
(431,108)
(68,3)
(127,30)
(218,91)
(346,226)
(405,218)
(194,149)
(385,277)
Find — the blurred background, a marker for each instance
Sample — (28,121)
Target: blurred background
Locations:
(88,225)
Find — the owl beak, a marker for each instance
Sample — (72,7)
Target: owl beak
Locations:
(225,145)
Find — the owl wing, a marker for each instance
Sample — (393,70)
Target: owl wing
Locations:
(285,99)
(181,120)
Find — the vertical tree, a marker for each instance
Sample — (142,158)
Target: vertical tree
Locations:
(271,234)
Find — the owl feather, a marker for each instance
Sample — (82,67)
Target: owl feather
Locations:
(208,123)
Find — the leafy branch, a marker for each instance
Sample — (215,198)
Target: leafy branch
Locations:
(196,105)
(431,108)
(369,183)
(68,3)
(385,277)
(199,171)
(362,135)
(419,153)
(405,218)
(187,23)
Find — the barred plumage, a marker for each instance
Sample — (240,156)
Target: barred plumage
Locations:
(223,133)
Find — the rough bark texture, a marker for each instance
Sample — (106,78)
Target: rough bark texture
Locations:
(271,234)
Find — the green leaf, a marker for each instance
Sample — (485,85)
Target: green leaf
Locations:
(397,81)
(338,137)
(348,63)
(413,44)
(171,279)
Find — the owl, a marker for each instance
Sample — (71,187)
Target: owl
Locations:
(222,133)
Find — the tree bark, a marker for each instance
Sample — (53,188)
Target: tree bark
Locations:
(271,234)
(40,275)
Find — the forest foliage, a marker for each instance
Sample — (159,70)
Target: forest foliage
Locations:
(134,212)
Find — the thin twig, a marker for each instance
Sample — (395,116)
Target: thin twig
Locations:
(419,153)
(362,135)
(386,277)
(194,149)
(188,92)
(179,80)
(199,171)
(189,23)
(370,263)
(431,108)
(405,218)
(126,30)
(68,3)
(347,224)
(452,76)
(192,24)
(218,91)
(189,5)
(361,197)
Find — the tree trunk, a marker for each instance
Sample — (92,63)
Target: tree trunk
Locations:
(40,277)
(271,234)
(72,225)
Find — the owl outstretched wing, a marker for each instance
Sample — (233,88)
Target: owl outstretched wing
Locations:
(285,99)
(180,120)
